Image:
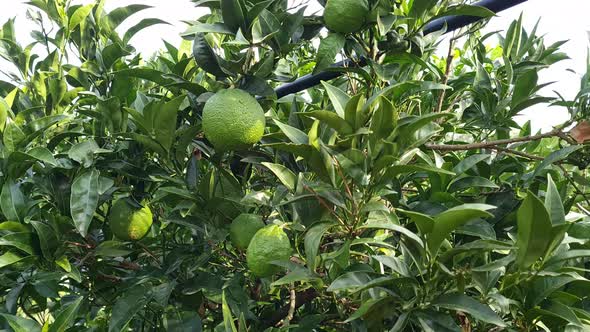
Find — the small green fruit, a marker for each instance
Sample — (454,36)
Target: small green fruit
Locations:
(269,244)
(346,16)
(243,228)
(128,222)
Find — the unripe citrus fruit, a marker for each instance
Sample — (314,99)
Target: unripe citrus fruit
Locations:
(269,244)
(233,120)
(346,16)
(243,228)
(129,222)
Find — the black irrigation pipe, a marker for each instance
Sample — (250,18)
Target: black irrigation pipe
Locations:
(451,23)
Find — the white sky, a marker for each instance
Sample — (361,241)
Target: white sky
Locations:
(560,20)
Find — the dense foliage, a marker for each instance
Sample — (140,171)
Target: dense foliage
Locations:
(411,198)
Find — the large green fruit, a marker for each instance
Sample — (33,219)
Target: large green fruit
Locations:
(269,244)
(233,120)
(346,16)
(129,222)
(243,228)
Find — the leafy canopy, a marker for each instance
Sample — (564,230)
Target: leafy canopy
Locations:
(410,198)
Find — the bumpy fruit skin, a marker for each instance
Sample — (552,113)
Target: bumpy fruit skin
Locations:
(129,223)
(233,120)
(346,16)
(269,244)
(243,228)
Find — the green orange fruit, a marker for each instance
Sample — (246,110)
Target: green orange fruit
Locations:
(233,120)
(129,222)
(243,228)
(346,16)
(269,244)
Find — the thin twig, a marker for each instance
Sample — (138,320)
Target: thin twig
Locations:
(441,98)
(573,183)
(150,254)
(491,144)
(325,205)
(292,303)
(518,153)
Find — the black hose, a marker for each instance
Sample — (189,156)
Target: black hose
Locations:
(451,23)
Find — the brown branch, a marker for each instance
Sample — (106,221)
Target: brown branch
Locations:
(292,303)
(518,153)
(450,57)
(574,185)
(492,144)
(325,205)
(301,298)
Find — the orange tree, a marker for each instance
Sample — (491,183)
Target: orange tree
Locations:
(401,196)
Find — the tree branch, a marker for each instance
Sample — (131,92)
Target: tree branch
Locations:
(492,144)
(292,303)
(450,57)
(302,298)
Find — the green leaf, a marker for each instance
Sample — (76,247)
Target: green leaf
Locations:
(146,22)
(13,136)
(367,306)
(119,15)
(467,163)
(332,120)
(265,29)
(384,119)
(21,240)
(313,239)
(570,254)
(421,7)
(349,281)
(338,98)
(396,264)
(79,15)
(205,57)
(329,47)
(465,10)
(9,258)
(285,175)
(423,222)
(524,86)
(293,134)
(165,121)
(562,311)
(47,238)
(297,275)
(434,321)
(112,113)
(19,324)
(449,220)
(384,224)
(12,201)
(471,182)
(112,249)
(228,319)
(555,157)
(84,200)
(553,203)
(161,78)
(534,231)
(4,111)
(66,317)
(181,321)
(83,152)
(396,170)
(466,304)
(127,306)
(199,27)
(43,154)
(232,12)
